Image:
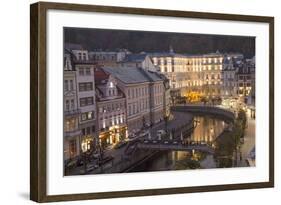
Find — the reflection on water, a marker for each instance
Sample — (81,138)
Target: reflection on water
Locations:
(207,129)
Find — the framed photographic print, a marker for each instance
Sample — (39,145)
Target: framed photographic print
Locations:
(134,102)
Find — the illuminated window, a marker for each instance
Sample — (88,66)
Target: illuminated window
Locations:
(90,115)
(72,148)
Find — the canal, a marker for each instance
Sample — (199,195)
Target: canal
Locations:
(206,131)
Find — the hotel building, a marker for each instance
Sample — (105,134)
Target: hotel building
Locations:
(191,73)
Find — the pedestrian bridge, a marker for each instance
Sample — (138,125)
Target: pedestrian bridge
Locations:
(176,146)
(205,109)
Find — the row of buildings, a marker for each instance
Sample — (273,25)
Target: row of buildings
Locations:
(211,75)
(110,95)
(103,104)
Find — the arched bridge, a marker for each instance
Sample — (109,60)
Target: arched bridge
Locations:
(203,110)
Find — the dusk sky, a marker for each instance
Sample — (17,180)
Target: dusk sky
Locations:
(138,41)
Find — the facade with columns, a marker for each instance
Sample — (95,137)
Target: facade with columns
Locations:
(191,73)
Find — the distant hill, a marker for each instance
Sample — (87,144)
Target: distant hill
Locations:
(138,41)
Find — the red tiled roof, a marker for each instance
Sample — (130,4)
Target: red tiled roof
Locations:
(100,75)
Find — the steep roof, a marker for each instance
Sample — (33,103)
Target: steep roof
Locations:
(133,75)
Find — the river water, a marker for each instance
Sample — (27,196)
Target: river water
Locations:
(207,129)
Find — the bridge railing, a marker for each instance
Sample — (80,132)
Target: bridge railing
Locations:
(161,145)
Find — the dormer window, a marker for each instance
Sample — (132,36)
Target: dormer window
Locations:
(84,56)
(111,85)
(79,56)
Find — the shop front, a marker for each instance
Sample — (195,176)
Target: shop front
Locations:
(113,135)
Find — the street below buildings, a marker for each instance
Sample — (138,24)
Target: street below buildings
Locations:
(206,131)
(249,142)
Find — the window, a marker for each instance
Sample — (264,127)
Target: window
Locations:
(129,93)
(72,104)
(71,84)
(88,130)
(67,104)
(79,56)
(81,71)
(83,102)
(82,87)
(86,101)
(88,86)
(70,125)
(130,109)
(72,147)
(87,116)
(88,71)
(83,116)
(66,85)
(90,100)
(84,56)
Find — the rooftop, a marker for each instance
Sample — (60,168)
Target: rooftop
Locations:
(133,75)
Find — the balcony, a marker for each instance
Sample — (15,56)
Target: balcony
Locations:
(72,112)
